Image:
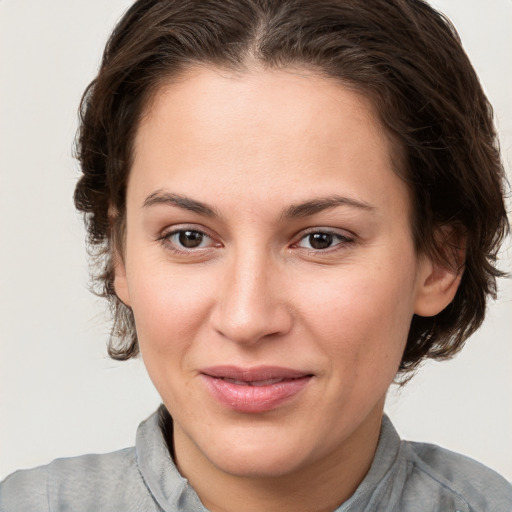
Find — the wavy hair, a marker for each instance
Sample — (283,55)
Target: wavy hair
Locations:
(402,54)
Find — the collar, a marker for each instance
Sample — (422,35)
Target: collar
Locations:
(378,491)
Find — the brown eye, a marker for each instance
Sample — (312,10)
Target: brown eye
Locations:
(320,240)
(190,239)
(188,242)
(187,239)
(323,240)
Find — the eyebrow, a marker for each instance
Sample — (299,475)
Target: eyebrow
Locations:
(186,203)
(306,209)
(314,206)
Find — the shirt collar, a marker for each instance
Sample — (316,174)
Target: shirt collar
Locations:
(169,489)
(381,486)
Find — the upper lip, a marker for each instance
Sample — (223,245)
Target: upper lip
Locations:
(253,374)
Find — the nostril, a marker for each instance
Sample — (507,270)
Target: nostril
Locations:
(242,327)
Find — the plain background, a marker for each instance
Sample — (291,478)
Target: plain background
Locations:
(60,395)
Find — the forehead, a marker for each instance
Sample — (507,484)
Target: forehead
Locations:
(261,132)
(286,100)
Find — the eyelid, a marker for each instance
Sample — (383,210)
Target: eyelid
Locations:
(343,236)
(342,233)
(165,238)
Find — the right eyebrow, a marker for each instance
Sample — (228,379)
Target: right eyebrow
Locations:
(179,201)
(317,205)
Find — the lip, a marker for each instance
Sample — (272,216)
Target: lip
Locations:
(254,390)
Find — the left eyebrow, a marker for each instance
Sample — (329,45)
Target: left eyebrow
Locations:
(314,206)
(179,201)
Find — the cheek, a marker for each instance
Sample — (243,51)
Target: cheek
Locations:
(361,317)
(169,308)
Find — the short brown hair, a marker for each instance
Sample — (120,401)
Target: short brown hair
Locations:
(402,54)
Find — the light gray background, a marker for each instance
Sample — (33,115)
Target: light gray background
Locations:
(60,395)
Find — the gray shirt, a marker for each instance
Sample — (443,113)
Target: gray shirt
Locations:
(404,477)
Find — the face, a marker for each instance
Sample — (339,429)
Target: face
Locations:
(270,267)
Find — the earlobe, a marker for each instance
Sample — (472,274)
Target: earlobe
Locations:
(437,285)
(121,282)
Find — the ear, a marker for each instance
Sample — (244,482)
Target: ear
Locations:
(437,285)
(120,281)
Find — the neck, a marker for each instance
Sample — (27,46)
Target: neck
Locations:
(318,487)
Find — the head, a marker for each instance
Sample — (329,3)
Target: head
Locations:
(403,56)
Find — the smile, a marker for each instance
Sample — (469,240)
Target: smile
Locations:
(265,382)
(254,390)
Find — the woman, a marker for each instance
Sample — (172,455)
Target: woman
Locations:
(292,205)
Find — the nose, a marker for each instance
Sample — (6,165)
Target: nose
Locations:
(251,305)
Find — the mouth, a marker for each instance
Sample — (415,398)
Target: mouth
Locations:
(266,382)
(254,390)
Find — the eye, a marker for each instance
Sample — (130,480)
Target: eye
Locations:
(188,239)
(322,240)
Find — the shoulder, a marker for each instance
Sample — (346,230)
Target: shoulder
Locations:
(77,483)
(25,490)
(454,478)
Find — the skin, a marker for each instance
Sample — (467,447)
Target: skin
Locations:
(250,147)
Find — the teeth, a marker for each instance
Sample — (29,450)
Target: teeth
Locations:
(237,382)
(267,382)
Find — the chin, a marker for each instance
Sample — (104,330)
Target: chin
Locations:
(263,463)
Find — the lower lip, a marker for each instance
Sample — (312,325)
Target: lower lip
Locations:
(254,399)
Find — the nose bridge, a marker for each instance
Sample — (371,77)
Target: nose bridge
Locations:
(249,306)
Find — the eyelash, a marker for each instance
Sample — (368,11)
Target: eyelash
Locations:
(342,241)
(166,240)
